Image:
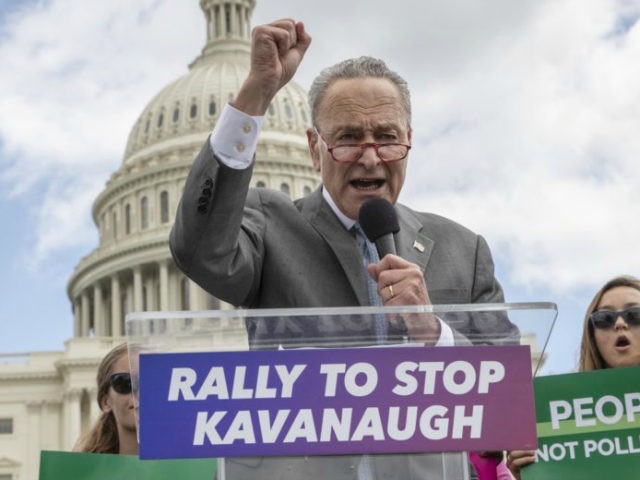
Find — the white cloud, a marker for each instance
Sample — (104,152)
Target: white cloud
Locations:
(79,73)
(540,150)
(65,209)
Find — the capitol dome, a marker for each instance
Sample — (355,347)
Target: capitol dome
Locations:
(191,104)
(132,268)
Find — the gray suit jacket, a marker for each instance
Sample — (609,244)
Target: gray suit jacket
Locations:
(258,249)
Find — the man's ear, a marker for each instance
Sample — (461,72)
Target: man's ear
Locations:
(314,148)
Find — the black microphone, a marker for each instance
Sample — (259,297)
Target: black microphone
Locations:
(379,222)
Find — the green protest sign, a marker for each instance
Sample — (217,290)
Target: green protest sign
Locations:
(588,425)
(98,466)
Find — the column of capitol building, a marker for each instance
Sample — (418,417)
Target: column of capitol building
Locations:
(50,397)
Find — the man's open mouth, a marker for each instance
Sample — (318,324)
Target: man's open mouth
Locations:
(367,184)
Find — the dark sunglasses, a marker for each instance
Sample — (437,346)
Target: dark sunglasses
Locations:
(605,319)
(121,382)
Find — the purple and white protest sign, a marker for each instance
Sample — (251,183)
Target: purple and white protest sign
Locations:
(336,401)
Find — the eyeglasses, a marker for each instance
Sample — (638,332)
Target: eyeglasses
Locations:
(606,319)
(121,382)
(351,152)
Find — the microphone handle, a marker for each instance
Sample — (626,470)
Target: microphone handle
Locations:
(385,245)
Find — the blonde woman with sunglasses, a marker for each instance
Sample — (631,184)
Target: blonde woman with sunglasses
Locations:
(115,429)
(610,339)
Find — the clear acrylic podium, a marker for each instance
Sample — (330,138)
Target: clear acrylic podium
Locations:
(330,328)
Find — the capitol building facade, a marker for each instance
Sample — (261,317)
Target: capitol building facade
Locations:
(48,399)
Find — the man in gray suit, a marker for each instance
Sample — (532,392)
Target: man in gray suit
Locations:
(258,249)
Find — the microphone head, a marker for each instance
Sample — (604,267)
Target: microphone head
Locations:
(377,218)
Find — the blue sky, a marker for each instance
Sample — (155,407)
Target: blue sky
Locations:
(526,118)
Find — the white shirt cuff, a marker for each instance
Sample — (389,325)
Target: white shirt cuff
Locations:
(446,335)
(234,139)
(445,340)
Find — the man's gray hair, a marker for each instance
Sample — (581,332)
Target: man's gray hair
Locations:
(362,67)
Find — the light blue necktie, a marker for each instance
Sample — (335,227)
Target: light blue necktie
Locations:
(369,254)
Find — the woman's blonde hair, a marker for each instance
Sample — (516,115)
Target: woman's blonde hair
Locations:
(103,436)
(590,358)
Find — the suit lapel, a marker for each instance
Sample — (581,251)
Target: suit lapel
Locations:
(344,246)
(411,243)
